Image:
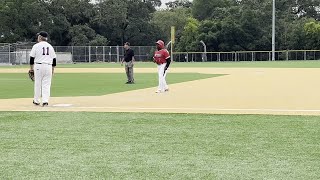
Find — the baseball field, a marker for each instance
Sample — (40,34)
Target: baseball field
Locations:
(240,120)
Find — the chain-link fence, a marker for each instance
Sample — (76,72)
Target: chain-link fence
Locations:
(19,54)
(246,56)
(4,53)
(102,53)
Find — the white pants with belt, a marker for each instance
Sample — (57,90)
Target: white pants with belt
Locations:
(42,82)
(162,77)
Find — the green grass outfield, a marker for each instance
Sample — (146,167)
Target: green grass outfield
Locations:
(17,85)
(51,145)
(249,64)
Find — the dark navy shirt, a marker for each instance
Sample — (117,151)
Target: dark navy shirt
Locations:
(128,55)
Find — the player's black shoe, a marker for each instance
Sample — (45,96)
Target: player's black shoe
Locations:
(45,104)
(37,104)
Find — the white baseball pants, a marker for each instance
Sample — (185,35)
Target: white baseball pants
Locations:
(162,77)
(42,82)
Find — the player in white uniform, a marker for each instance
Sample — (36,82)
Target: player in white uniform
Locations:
(42,61)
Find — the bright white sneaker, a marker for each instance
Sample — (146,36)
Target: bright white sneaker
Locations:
(158,91)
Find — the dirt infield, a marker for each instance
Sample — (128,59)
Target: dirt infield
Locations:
(242,91)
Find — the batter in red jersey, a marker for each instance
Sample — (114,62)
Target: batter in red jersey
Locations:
(162,59)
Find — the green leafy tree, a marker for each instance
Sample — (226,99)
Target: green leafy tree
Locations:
(99,41)
(209,32)
(179,4)
(164,19)
(188,40)
(296,36)
(64,14)
(138,28)
(18,19)
(81,35)
(110,19)
(312,31)
(211,9)
(122,20)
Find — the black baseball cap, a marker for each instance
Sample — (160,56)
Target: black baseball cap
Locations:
(43,34)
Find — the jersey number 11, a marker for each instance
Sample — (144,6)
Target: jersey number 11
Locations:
(44,51)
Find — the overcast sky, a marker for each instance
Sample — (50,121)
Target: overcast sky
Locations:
(164,1)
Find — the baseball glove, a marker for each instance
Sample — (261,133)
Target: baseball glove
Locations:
(31,74)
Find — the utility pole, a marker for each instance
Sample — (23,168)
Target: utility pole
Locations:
(273,30)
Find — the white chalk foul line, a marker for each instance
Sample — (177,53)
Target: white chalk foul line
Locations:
(201,109)
(62,105)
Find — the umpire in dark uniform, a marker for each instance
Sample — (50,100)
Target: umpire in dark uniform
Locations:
(129,62)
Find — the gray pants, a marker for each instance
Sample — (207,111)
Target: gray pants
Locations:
(129,71)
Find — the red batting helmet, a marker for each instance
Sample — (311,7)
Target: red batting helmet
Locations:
(161,44)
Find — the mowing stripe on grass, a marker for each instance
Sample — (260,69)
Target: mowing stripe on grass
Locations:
(204,109)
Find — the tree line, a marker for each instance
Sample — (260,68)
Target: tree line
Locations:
(224,25)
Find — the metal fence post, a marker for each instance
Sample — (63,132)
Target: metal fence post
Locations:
(110,54)
(72,54)
(305,55)
(269,56)
(287,55)
(9,55)
(187,57)
(26,57)
(139,48)
(15,57)
(103,53)
(118,54)
(96,54)
(252,58)
(89,54)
